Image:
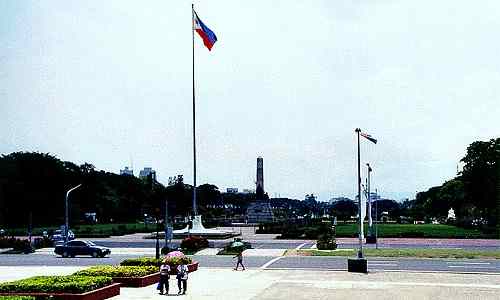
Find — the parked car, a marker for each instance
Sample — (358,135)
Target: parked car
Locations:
(58,236)
(81,247)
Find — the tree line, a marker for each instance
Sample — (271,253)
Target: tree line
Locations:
(33,187)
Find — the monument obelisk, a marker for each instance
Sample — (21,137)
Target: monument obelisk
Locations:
(260,211)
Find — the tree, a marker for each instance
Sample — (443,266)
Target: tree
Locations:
(480,178)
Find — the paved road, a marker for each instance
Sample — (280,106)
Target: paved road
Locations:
(270,262)
(290,244)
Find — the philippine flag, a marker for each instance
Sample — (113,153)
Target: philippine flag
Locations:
(205,33)
(368,137)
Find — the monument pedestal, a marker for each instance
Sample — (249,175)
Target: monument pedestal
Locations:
(357,265)
(199,230)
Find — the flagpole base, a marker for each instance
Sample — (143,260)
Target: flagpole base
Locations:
(357,265)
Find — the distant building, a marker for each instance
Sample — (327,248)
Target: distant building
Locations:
(127,171)
(146,172)
(232,190)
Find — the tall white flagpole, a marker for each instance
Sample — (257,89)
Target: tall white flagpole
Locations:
(195,211)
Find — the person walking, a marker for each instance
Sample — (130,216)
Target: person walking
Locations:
(240,261)
(182,277)
(164,277)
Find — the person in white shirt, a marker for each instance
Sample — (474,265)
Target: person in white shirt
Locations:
(164,277)
(182,277)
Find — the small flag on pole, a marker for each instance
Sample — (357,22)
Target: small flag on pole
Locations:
(208,36)
(368,137)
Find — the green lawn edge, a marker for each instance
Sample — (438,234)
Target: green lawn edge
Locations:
(407,252)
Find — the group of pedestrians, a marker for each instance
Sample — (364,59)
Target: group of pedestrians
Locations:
(182,277)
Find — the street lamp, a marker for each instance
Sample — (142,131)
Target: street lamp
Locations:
(66,217)
(370,239)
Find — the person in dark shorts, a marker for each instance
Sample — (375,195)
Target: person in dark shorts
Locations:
(164,277)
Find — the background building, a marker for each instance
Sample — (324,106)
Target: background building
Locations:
(146,172)
(127,171)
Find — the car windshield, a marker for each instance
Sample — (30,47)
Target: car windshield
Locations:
(90,243)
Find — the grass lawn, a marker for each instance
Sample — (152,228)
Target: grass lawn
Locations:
(417,231)
(410,252)
(94,230)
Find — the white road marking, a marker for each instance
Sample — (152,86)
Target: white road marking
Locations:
(472,267)
(272,261)
(382,261)
(381,284)
(468,263)
(300,246)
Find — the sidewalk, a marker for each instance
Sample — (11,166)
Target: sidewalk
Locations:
(224,284)
(258,284)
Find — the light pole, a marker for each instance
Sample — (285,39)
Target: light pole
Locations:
(370,239)
(360,222)
(376,220)
(66,216)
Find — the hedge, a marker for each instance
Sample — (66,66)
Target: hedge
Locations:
(59,284)
(151,261)
(143,261)
(118,271)
(17,298)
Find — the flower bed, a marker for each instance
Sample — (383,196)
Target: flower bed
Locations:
(128,276)
(62,287)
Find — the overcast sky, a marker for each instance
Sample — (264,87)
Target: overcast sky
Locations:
(109,83)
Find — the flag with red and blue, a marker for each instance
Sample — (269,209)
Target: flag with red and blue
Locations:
(208,36)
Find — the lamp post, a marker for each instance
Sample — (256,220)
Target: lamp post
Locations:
(358,264)
(66,215)
(157,239)
(360,222)
(370,239)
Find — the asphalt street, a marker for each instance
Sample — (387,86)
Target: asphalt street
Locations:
(277,244)
(271,262)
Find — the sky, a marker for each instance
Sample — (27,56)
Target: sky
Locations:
(110,83)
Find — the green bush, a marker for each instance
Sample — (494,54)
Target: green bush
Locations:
(56,284)
(292,233)
(325,243)
(118,271)
(17,298)
(143,261)
(194,243)
(43,242)
(312,232)
(18,245)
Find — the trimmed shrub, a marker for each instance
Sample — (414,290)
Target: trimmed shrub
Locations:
(43,242)
(194,243)
(18,245)
(143,261)
(312,232)
(56,284)
(327,241)
(118,271)
(17,298)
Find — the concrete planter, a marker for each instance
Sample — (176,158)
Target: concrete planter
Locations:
(138,281)
(99,294)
